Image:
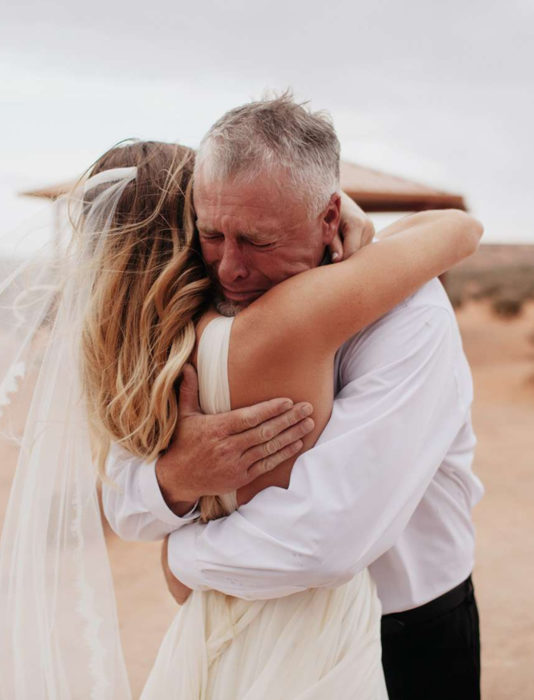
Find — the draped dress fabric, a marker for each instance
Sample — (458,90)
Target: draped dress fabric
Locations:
(313,645)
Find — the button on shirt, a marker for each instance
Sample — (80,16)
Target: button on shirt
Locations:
(388,485)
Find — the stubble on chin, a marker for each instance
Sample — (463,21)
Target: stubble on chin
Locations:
(226,307)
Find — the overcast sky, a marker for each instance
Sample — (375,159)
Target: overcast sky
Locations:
(439,92)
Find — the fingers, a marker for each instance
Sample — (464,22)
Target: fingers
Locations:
(336,248)
(189,391)
(352,242)
(275,446)
(269,463)
(368,233)
(357,229)
(243,419)
(357,237)
(270,429)
(270,437)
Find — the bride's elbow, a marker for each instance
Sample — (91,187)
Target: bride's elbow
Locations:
(469,231)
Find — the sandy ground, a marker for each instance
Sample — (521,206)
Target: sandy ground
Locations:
(502,358)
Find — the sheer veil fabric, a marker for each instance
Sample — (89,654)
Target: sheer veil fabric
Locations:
(59,634)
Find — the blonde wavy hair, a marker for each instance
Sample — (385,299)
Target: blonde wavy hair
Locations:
(150,287)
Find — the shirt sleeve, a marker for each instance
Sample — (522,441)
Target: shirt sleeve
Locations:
(133,503)
(404,399)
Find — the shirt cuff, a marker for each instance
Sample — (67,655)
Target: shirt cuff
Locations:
(150,494)
(181,558)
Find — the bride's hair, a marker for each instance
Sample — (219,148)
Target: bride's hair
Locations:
(150,286)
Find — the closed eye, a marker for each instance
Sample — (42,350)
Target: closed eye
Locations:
(260,245)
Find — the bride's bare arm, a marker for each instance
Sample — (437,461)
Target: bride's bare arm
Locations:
(286,340)
(330,303)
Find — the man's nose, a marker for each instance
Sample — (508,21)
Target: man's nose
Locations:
(232,265)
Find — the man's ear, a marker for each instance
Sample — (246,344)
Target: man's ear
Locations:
(330,218)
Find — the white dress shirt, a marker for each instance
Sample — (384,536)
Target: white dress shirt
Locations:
(388,485)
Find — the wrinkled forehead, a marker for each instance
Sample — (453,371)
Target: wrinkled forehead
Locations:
(271,183)
(268,199)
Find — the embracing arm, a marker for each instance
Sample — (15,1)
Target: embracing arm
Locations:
(208,454)
(286,340)
(133,503)
(212,454)
(353,493)
(338,302)
(342,299)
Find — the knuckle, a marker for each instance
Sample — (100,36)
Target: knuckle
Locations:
(284,438)
(257,470)
(249,420)
(264,465)
(291,450)
(265,452)
(289,420)
(283,455)
(273,461)
(265,433)
(292,417)
(272,447)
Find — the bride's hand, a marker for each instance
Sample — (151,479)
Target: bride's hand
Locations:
(177,589)
(356,230)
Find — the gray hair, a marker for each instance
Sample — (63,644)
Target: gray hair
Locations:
(273,135)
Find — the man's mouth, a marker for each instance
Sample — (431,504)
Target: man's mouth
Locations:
(234,295)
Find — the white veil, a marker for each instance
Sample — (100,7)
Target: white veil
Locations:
(59,634)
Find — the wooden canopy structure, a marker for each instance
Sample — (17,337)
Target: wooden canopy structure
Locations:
(373,190)
(376,191)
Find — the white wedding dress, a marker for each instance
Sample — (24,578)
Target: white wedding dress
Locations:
(320,644)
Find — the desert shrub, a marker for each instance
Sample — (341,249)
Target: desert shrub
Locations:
(507,306)
(507,282)
(455,296)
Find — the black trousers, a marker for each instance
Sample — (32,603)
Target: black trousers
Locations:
(433,652)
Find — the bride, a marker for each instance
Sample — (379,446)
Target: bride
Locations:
(134,306)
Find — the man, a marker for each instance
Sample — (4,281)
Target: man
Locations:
(389,483)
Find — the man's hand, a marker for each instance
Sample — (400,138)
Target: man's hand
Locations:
(177,589)
(356,230)
(217,454)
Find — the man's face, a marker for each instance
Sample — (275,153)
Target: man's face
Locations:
(255,235)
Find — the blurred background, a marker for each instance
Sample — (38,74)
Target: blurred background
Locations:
(436,93)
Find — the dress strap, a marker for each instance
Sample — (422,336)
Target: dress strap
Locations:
(214,396)
(212,365)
